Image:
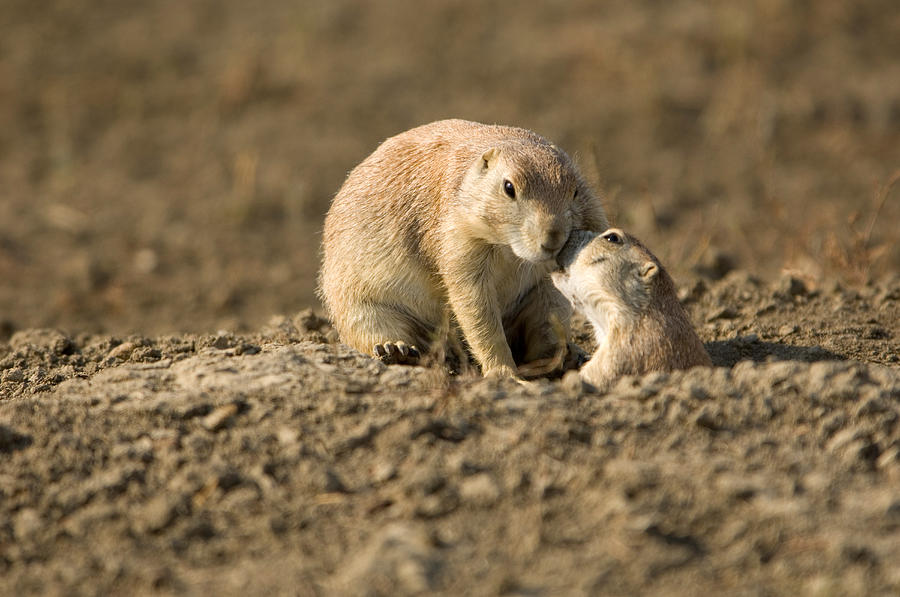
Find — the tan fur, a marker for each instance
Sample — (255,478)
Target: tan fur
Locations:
(422,230)
(630,300)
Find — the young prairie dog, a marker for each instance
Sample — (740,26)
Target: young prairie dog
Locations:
(454,221)
(631,303)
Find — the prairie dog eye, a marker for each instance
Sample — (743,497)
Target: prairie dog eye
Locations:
(613,238)
(575,195)
(509,189)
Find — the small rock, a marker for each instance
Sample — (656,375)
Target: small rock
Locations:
(333,482)
(44,339)
(281,329)
(708,419)
(437,505)
(479,490)
(442,429)
(383,470)
(287,436)
(748,339)
(26,523)
(844,438)
(223,340)
(156,514)
(790,286)
(862,450)
(877,333)
(219,417)
(858,554)
(723,313)
(141,449)
(145,354)
(121,352)
(165,439)
(307,321)
(15,374)
(246,348)
(145,261)
(889,457)
(766,308)
(698,392)
(786,330)
(241,499)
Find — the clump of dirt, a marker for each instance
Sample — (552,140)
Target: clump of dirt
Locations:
(283,461)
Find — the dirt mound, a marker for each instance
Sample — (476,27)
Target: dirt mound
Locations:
(284,462)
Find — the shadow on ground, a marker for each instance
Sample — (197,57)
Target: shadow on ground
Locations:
(727,353)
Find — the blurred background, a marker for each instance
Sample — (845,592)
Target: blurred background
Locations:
(165,165)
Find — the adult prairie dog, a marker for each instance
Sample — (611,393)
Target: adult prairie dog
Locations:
(631,303)
(454,221)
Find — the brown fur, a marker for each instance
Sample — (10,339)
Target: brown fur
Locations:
(630,300)
(422,232)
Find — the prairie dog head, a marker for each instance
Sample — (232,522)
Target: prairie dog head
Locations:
(528,196)
(607,273)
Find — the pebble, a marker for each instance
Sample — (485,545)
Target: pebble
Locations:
(790,286)
(479,490)
(437,505)
(287,436)
(156,514)
(15,374)
(334,483)
(383,470)
(787,330)
(723,313)
(843,438)
(708,418)
(121,352)
(26,523)
(219,417)
(889,457)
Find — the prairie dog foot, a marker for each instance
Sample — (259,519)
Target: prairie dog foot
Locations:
(397,353)
(575,357)
(555,366)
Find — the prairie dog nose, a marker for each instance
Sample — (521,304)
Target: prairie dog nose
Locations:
(553,240)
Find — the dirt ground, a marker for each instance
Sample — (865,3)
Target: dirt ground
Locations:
(177,418)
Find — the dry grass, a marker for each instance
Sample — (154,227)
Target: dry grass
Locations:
(856,252)
(213,136)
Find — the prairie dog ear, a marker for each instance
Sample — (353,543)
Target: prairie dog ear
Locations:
(489,157)
(649,270)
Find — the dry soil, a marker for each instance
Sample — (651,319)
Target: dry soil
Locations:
(164,169)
